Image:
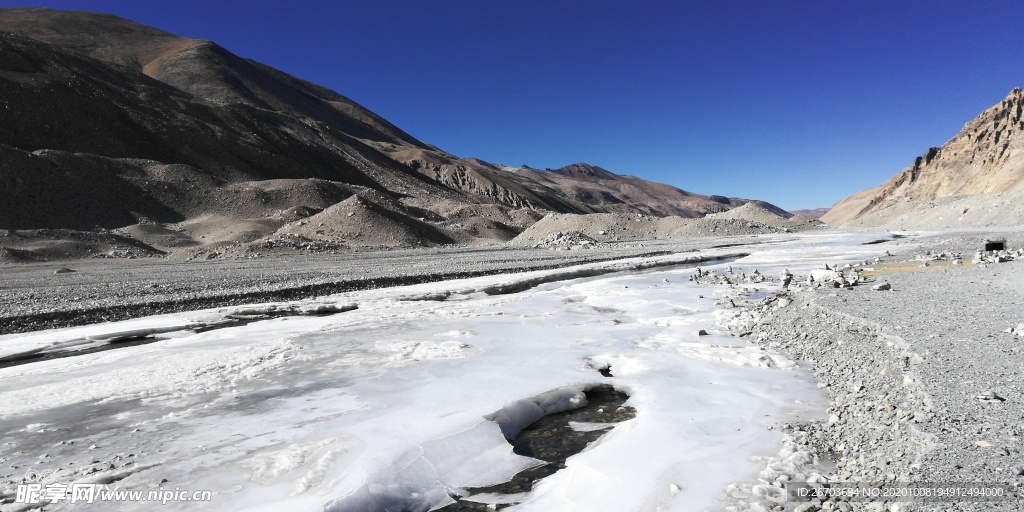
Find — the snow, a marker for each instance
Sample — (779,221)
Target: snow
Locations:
(406,397)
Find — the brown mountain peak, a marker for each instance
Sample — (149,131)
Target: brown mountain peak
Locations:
(584,170)
(947,186)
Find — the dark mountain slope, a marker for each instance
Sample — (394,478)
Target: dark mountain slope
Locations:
(65,101)
(199,67)
(184,145)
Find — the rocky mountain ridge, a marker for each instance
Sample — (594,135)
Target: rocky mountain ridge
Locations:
(976,179)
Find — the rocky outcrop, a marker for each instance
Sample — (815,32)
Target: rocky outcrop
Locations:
(975,179)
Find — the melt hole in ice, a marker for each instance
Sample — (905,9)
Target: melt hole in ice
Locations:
(552,439)
(604,369)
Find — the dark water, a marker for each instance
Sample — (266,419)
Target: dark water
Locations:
(552,440)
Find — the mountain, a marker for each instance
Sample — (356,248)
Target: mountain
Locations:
(975,179)
(200,68)
(577,188)
(482,180)
(814,213)
(180,146)
(159,151)
(609,192)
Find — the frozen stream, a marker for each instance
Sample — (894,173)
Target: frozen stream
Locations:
(404,400)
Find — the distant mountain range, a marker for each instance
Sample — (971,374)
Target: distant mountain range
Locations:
(976,179)
(814,213)
(176,143)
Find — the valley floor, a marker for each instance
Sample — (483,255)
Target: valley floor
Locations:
(920,383)
(34,296)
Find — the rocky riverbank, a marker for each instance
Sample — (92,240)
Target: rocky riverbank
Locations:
(923,378)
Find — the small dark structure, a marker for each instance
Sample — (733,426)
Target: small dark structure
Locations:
(995,245)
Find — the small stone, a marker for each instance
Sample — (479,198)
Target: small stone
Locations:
(702,332)
(64,270)
(881,287)
(985,444)
(990,396)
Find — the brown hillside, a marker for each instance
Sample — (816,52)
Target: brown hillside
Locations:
(114,129)
(975,179)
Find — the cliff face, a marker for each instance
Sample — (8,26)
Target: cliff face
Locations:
(975,179)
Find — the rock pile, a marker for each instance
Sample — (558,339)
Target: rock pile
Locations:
(1003,256)
(717,226)
(569,241)
(930,256)
(846,276)
(701,276)
(1017,330)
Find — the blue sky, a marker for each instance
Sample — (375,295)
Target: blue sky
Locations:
(800,103)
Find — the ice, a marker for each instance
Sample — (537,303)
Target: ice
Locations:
(477,457)
(404,397)
(60,341)
(514,417)
(583,426)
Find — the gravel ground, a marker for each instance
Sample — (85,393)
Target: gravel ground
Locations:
(34,296)
(904,370)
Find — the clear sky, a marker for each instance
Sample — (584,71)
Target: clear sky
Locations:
(800,103)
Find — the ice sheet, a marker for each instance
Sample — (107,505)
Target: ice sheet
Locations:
(392,403)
